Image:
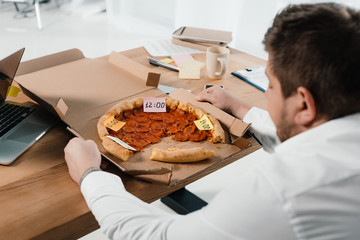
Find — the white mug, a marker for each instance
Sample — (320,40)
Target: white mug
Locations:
(216,61)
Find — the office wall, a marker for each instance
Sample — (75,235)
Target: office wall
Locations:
(248,20)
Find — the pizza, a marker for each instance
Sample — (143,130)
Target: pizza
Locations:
(141,129)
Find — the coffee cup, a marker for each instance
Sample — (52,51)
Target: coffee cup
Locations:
(216,61)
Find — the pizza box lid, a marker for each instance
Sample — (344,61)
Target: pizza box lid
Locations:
(80,90)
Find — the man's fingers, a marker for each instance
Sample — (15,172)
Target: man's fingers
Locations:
(200,97)
(204,96)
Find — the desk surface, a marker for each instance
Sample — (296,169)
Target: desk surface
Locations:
(38,198)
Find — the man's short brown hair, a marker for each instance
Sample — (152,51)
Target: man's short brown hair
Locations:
(317,46)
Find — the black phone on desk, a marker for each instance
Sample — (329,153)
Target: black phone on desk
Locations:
(211,85)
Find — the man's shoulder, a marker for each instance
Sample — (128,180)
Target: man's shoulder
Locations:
(317,159)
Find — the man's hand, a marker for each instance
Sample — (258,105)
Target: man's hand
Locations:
(220,98)
(81,155)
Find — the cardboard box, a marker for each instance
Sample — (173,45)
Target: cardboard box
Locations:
(80,90)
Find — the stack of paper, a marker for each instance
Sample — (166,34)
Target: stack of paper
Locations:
(200,38)
(164,47)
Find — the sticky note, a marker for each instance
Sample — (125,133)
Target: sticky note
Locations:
(192,63)
(179,59)
(113,123)
(13,91)
(154,105)
(204,123)
(167,60)
(189,73)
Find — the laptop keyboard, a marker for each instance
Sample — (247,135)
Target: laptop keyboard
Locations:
(11,115)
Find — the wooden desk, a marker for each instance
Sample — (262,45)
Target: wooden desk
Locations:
(40,201)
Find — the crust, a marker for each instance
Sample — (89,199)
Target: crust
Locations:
(102,131)
(116,149)
(218,133)
(182,155)
(172,103)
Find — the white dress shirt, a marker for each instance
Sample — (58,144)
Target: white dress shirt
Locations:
(309,188)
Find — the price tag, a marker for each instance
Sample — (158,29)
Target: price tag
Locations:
(204,123)
(154,104)
(113,123)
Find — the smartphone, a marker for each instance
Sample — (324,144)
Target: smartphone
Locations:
(210,85)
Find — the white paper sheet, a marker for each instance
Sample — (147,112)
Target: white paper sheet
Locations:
(164,47)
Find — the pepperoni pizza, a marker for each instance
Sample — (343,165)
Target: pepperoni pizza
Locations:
(144,128)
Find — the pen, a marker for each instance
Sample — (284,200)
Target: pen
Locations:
(159,63)
(182,30)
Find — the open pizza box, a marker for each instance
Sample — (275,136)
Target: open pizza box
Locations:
(80,90)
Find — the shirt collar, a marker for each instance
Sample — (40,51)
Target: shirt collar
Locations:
(322,132)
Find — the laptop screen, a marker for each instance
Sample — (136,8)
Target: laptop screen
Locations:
(8,68)
(5,83)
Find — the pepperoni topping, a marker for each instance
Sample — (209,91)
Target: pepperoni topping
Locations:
(172,128)
(197,136)
(182,122)
(139,112)
(131,122)
(127,137)
(190,117)
(159,132)
(138,143)
(138,135)
(169,119)
(121,117)
(143,128)
(128,113)
(180,136)
(142,119)
(178,113)
(128,128)
(152,138)
(156,125)
(157,116)
(190,129)
(119,135)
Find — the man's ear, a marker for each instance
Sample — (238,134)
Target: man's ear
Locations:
(306,113)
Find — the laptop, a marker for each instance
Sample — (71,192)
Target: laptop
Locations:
(21,125)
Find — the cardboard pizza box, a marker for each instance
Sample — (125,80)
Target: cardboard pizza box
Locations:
(80,90)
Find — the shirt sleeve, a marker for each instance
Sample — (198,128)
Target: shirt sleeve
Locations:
(120,214)
(262,127)
(238,212)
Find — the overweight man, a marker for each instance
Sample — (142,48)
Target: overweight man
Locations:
(308,187)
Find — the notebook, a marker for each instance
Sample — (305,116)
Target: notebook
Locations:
(21,125)
(255,76)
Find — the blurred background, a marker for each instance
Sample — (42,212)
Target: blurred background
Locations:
(98,27)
